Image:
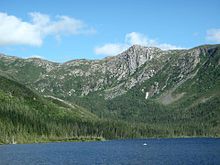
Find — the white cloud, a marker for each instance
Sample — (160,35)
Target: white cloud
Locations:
(213,35)
(110,49)
(133,38)
(167,46)
(14,31)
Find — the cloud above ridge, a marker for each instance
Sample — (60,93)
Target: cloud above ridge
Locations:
(133,38)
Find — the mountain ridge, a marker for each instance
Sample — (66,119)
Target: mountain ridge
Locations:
(118,67)
(169,93)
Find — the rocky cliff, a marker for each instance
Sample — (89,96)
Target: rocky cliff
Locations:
(113,76)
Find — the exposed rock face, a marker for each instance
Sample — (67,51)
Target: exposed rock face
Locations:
(136,56)
(110,77)
(113,75)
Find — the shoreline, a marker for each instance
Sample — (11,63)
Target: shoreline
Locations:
(100,139)
(56,140)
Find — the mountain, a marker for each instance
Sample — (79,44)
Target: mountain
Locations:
(27,117)
(165,93)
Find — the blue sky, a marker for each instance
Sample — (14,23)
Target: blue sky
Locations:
(62,30)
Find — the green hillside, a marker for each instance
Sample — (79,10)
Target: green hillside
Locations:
(143,92)
(26,117)
(186,107)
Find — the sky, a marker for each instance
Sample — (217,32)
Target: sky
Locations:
(63,30)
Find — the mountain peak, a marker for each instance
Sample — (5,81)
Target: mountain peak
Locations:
(140,52)
(136,56)
(138,47)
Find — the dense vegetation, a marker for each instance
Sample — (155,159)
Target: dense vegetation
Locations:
(197,113)
(26,116)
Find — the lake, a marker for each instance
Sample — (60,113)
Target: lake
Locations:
(124,152)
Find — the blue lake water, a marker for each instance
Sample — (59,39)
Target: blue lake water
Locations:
(124,152)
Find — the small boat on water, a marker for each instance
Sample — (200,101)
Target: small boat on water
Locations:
(145,144)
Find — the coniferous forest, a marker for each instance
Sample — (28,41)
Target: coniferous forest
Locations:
(26,117)
(181,99)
